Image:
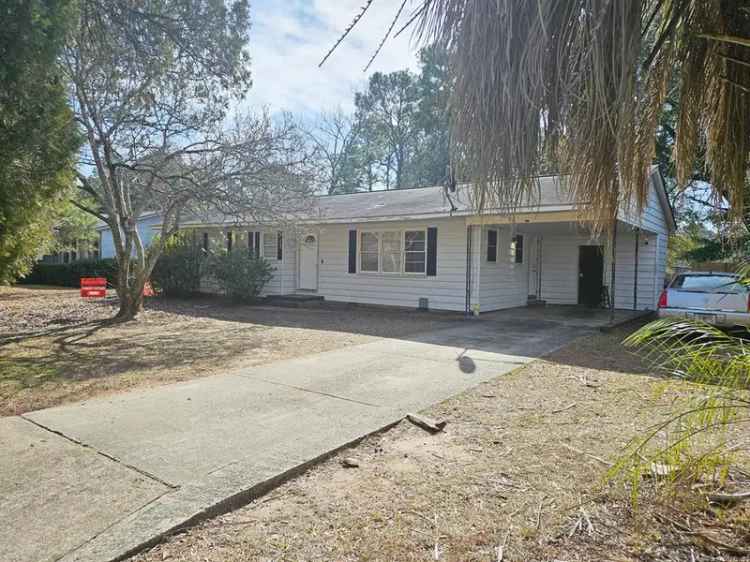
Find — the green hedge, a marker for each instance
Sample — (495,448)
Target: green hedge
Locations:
(69,274)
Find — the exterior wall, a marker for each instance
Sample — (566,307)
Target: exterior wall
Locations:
(284,275)
(504,283)
(560,267)
(652,218)
(445,291)
(145,230)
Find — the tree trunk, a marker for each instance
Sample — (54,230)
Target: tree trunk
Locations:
(131,297)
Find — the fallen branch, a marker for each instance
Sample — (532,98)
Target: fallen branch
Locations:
(568,407)
(428,424)
(722,545)
(718,497)
(601,460)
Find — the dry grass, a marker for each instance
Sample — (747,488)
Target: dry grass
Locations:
(56,348)
(520,466)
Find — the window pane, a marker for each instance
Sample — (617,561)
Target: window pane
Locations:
(369,261)
(415,262)
(414,240)
(392,262)
(369,242)
(391,241)
(270,245)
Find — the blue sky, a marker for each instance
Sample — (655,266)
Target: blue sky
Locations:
(289,37)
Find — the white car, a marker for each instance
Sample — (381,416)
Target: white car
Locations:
(715,298)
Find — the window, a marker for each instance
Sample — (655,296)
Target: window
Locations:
(253,243)
(492,245)
(205,241)
(707,283)
(370,248)
(230,239)
(415,251)
(516,249)
(393,251)
(390,252)
(270,245)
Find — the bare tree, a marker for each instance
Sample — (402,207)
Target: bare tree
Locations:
(334,137)
(151,84)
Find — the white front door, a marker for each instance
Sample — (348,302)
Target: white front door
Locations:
(308,263)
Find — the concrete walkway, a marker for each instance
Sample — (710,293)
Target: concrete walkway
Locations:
(97,480)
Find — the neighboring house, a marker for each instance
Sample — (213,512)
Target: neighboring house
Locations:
(425,247)
(147,226)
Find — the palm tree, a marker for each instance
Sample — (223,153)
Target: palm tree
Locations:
(595,74)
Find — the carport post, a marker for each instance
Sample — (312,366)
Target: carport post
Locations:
(635,275)
(613,244)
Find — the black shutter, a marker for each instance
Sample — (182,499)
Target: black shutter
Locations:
(205,241)
(492,245)
(229,241)
(519,249)
(250,242)
(432,251)
(352,251)
(280,246)
(256,244)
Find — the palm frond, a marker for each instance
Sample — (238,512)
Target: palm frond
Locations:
(581,83)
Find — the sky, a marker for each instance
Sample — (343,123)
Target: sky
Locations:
(288,38)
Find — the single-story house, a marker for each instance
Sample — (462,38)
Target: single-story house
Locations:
(427,248)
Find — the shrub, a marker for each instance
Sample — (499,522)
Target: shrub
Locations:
(69,274)
(179,269)
(241,276)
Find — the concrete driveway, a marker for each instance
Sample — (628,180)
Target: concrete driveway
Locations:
(99,479)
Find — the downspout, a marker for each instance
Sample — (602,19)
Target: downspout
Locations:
(467,308)
(635,275)
(612,275)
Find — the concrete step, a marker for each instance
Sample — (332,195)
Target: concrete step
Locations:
(295,300)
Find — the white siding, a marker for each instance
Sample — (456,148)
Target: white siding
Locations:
(445,291)
(560,267)
(283,280)
(652,218)
(504,283)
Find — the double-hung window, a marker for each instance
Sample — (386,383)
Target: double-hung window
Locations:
(393,251)
(390,252)
(270,246)
(369,258)
(415,251)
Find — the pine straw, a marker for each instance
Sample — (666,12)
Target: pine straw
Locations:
(519,467)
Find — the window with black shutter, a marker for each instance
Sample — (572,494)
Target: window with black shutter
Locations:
(492,245)
(205,241)
(229,241)
(518,249)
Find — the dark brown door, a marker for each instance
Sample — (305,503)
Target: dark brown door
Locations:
(590,275)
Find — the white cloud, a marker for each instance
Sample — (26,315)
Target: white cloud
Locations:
(289,38)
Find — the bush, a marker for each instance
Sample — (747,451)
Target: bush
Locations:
(179,269)
(241,276)
(69,274)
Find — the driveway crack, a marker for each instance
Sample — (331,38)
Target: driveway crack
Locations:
(319,392)
(102,453)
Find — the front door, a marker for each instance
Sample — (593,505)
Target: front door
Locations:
(308,263)
(590,275)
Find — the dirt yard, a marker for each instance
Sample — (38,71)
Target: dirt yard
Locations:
(518,475)
(56,347)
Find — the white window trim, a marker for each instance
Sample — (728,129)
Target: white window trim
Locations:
(402,265)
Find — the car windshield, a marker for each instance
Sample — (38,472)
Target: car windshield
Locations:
(709,284)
